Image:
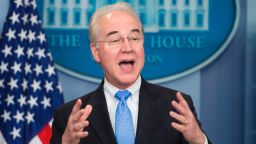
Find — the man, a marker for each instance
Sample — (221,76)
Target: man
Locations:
(149,113)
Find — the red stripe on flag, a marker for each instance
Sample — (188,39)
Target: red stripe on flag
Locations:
(45,134)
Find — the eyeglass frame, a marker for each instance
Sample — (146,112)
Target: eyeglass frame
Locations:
(120,41)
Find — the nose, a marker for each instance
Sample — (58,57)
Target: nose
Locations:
(127,47)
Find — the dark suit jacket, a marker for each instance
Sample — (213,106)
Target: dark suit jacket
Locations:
(154,122)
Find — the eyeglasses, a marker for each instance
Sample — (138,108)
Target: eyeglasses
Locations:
(119,41)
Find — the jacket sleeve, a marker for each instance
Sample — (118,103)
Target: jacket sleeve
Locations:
(58,127)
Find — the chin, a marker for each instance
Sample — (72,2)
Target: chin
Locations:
(128,80)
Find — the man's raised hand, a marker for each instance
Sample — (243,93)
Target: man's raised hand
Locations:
(77,121)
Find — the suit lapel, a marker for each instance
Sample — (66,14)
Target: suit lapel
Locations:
(147,114)
(99,119)
(148,110)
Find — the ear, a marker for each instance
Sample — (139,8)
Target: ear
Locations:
(95,52)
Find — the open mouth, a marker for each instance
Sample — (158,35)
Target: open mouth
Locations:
(127,65)
(126,62)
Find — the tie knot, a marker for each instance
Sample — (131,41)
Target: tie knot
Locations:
(122,95)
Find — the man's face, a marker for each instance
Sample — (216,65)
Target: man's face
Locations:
(119,48)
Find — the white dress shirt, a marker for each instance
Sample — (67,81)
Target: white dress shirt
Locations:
(132,101)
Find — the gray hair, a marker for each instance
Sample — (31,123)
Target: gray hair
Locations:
(121,6)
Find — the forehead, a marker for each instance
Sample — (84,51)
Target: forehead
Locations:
(118,22)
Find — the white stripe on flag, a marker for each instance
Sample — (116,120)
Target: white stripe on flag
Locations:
(35,140)
(2,140)
(50,122)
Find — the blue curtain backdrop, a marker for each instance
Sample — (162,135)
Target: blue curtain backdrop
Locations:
(222,84)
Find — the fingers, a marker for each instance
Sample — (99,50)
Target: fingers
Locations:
(179,118)
(82,134)
(186,121)
(87,111)
(76,107)
(178,107)
(183,113)
(181,106)
(182,100)
(78,118)
(77,122)
(82,114)
(179,127)
(80,126)
(78,114)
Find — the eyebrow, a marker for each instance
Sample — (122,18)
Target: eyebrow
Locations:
(135,30)
(115,32)
(111,33)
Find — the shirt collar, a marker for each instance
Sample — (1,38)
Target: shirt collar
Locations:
(112,90)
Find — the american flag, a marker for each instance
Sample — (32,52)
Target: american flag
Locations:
(29,87)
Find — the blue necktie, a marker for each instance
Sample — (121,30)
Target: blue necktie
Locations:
(123,125)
